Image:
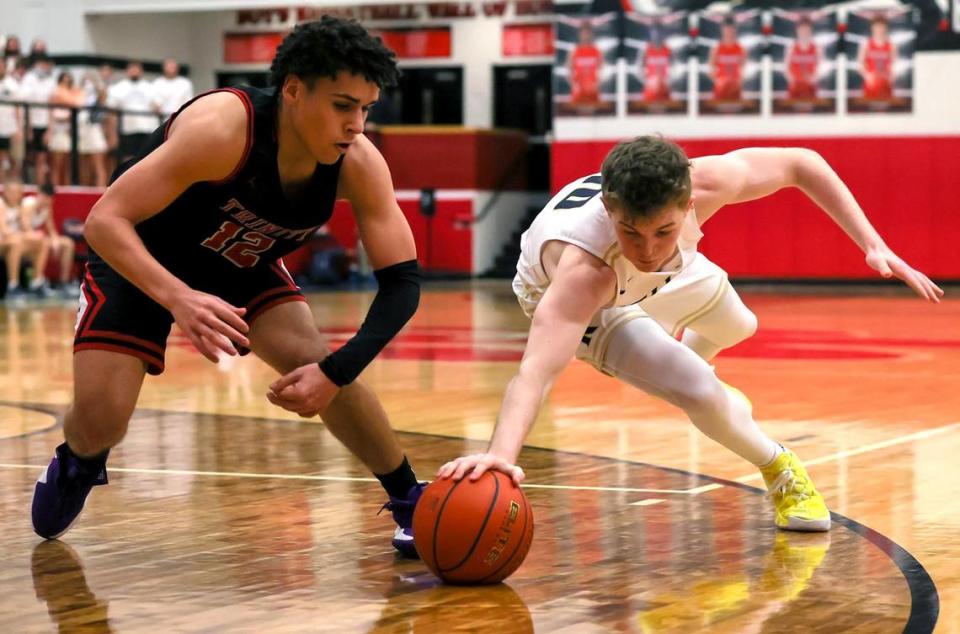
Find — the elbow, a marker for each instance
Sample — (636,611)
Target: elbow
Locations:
(95,228)
(806,165)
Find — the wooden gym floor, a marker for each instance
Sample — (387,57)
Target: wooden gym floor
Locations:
(225,514)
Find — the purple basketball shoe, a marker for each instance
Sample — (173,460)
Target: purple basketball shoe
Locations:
(402,510)
(62,489)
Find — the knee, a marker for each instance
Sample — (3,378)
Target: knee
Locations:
(746,326)
(92,428)
(736,330)
(311,353)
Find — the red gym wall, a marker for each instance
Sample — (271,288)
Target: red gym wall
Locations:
(903,184)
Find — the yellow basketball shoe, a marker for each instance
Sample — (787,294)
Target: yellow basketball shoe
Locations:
(797,503)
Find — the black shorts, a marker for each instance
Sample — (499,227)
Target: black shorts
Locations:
(37,142)
(115,315)
(4,143)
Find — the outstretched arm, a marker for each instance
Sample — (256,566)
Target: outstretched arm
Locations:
(364,181)
(582,285)
(753,173)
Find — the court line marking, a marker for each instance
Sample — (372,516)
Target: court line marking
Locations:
(305,476)
(927,433)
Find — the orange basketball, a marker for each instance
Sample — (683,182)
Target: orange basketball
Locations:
(473,532)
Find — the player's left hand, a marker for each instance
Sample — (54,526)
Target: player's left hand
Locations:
(889,264)
(306,391)
(476,464)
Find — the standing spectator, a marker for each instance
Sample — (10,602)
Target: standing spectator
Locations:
(133,93)
(38,49)
(11,52)
(9,122)
(37,86)
(171,89)
(35,244)
(93,142)
(109,120)
(68,94)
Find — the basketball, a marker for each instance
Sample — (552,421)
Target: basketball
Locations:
(473,532)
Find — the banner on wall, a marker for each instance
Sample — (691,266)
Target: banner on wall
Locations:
(585,77)
(880,51)
(803,55)
(656,49)
(730,48)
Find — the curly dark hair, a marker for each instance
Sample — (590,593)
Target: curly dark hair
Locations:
(329,45)
(646,174)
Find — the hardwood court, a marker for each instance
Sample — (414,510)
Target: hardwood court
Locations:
(226,514)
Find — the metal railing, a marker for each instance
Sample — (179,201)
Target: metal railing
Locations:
(25,107)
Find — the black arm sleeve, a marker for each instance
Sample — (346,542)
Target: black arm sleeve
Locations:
(396,301)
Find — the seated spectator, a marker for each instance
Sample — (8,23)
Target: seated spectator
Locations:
(34,244)
(171,90)
(38,213)
(11,248)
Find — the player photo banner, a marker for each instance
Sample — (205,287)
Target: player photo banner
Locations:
(656,48)
(879,47)
(585,67)
(803,55)
(730,48)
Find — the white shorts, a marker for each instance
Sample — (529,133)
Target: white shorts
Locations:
(92,140)
(689,296)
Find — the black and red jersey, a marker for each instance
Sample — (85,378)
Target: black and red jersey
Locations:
(245,220)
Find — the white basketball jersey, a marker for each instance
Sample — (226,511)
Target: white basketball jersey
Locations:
(576,215)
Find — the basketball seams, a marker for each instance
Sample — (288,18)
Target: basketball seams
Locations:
(436,524)
(527,520)
(483,526)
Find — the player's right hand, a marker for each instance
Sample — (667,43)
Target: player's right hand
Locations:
(212,325)
(478,463)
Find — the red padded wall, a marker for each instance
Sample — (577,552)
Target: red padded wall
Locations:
(903,184)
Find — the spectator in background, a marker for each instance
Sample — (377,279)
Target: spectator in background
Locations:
(133,93)
(108,122)
(11,53)
(34,244)
(11,248)
(93,141)
(38,214)
(37,87)
(171,90)
(10,126)
(68,94)
(38,49)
